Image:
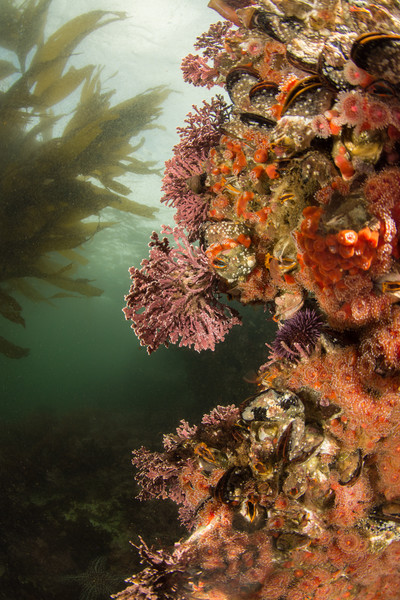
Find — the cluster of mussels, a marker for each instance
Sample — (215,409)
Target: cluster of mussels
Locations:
(295,495)
(282,507)
(302,187)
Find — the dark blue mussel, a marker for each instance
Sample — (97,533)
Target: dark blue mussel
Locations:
(255,120)
(239,82)
(303,53)
(263,95)
(332,58)
(281,28)
(230,486)
(378,54)
(308,97)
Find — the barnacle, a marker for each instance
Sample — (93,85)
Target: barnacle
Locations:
(51,184)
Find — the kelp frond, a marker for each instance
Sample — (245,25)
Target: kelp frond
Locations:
(50,185)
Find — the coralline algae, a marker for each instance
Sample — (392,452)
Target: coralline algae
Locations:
(293,193)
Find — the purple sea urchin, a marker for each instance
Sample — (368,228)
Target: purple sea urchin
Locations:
(298,336)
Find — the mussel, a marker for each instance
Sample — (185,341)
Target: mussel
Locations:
(255,120)
(389,511)
(279,27)
(311,440)
(230,486)
(249,516)
(228,248)
(381,531)
(295,483)
(332,59)
(349,466)
(289,541)
(209,458)
(307,98)
(303,53)
(382,89)
(263,95)
(271,405)
(378,54)
(238,83)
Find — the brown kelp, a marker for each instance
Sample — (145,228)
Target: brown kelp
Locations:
(49,184)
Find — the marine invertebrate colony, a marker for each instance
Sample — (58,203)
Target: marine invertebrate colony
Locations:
(295,494)
(172,297)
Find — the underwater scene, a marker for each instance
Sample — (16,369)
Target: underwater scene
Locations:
(78,392)
(200,259)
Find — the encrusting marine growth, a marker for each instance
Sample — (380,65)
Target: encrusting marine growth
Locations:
(287,197)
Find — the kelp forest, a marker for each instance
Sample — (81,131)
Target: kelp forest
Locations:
(59,169)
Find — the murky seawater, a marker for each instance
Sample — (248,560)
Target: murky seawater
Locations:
(87,393)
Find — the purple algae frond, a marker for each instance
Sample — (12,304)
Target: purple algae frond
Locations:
(221,415)
(212,41)
(161,578)
(172,297)
(201,132)
(191,208)
(203,128)
(157,476)
(197,72)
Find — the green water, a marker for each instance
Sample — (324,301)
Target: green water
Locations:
(72,412)
(87,394)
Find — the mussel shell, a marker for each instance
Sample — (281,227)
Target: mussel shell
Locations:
(303,54)
(295,484)
(263,95)
(382,89)
(243,76)
(332,59)
(229,487)
(381,532)
(308,97)
(376,525)
(249,517)
(389,511)
(231,263)
(349,465)
(378,54)
(290,443)
(209,458)
(264,90)
(311,441)
(366,145)
(321,498)
(270,405)
(332,77)
(284,444)
(280,28)
(213,233)
(255,120)
(289,541)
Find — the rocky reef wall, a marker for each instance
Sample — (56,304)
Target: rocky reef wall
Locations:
(287,194)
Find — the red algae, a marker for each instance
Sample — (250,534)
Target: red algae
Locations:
(290,198)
